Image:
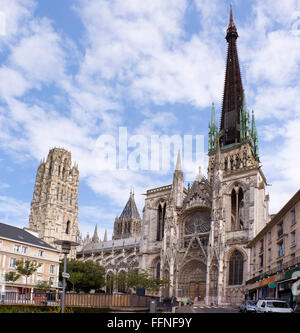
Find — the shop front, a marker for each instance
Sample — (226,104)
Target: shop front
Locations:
(288,288)
(267,288)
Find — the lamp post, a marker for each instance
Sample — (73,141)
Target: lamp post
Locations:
(65,249)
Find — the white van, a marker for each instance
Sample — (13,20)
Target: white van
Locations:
(273,305)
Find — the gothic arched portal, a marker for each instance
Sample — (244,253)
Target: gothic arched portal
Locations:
(192,280)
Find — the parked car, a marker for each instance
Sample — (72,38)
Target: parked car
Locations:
(248,306)
(273,305)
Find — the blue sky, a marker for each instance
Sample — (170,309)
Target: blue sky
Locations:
(72,71)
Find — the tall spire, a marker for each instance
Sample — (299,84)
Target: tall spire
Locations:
(233,89)
(95,238)
(105,236)
(213,131)
(178,163)
(254,136)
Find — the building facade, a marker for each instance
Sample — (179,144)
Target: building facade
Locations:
(275,256)
(19,244)
(54,208)
(202,237)
(197,237)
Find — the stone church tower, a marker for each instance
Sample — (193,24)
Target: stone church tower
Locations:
(197,236)
(239,201)
(128,224)
(54,208)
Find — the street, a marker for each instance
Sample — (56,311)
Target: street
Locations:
(206,309)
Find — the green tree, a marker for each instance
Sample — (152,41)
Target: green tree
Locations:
(84,275)
(75,279)
(43,286)
(26,268)
(11,276)
(142,279)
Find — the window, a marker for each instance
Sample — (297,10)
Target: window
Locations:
(12,263)
(261,260)
(52,269)
(237,208)
(293,216)
(68,227)
(40,269)
(261,246)
(280,265)
(158,270)
(17,248)
(40,253)
(236,268)
(51,280)
(293,258)
(269,236)
(269,255)
(280,229)
(24,249)
(160,221)
(293,238)
(280,249)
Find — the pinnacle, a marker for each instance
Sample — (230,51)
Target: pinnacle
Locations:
(178,163)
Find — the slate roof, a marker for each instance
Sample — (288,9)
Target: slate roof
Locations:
(108,245)
(130,211)
(17,234)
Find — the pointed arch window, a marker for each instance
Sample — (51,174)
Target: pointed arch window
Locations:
(68,227)
(237,208)
(158,270)
(236,268)
(161,221)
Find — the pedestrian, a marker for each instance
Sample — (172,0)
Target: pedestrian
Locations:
(187,302)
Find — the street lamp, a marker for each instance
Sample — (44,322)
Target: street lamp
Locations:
(65,249)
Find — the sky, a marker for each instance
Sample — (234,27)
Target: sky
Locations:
(78,73)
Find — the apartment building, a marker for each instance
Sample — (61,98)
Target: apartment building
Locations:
(275,256)
(17,244)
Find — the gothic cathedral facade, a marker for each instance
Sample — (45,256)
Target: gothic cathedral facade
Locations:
(197,236)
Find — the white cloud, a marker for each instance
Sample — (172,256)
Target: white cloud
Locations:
(13,211)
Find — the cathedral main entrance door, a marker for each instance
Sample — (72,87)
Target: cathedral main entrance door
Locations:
(197,289)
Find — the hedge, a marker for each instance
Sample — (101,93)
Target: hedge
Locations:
(25,308)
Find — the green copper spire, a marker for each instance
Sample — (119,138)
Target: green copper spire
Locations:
(213,130)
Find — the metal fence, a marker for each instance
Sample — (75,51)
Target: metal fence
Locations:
(82,300)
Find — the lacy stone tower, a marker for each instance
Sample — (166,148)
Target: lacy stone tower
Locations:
(54,208)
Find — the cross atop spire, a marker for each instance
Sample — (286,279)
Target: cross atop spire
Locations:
(231,30)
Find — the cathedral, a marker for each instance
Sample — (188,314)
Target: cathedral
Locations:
(195,236)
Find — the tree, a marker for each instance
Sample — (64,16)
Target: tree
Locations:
(27,268)
(75,279)
(43,286)
(142,279)
(11,276)
(84,275)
